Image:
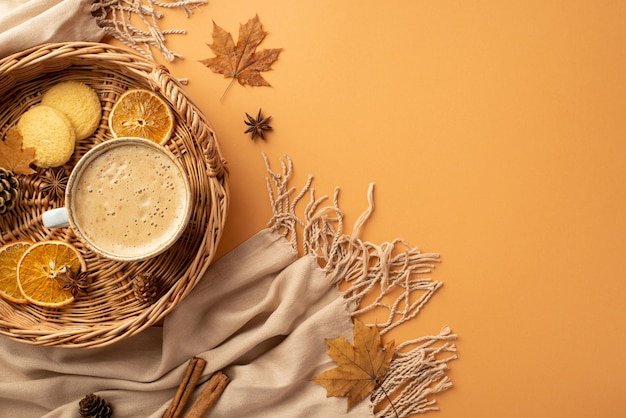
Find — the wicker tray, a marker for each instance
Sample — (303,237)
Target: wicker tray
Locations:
(110,311)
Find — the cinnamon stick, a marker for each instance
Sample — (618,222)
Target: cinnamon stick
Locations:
(186,387)
(209,395)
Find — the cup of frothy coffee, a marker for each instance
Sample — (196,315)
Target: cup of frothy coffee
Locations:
(127,199)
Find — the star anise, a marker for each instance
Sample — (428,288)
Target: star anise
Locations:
(53,183)
(258,126)
(75,281)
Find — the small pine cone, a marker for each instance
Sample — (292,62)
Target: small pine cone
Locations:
(93,406)
(145,287)
(9,191)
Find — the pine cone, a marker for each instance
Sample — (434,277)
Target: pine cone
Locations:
(9,191)
(145,287)
(93,406)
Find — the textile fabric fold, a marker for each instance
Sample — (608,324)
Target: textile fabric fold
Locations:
(135,23)
(26,23)
(260,314)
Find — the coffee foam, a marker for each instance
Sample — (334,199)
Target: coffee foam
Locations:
(130,201)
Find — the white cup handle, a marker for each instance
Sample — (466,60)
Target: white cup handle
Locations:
(55,218)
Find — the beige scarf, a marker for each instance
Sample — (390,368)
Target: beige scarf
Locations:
(261,314)
(25,23)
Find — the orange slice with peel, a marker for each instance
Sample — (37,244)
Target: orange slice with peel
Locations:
(142,113)
(10,255)
(41,272)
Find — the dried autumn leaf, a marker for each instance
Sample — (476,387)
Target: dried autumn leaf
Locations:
(241,61)
(13,157)
(360,367)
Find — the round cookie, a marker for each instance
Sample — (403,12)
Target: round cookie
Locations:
(50,133)
(79,102)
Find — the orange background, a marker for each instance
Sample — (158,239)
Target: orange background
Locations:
(495,134)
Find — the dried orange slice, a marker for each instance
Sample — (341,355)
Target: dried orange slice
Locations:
(142,113)
(41,270)
(10,255)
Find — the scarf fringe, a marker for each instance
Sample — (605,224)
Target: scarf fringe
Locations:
(114,17)
(415,375)
(370,275)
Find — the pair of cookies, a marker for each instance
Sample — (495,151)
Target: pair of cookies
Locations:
(69,111)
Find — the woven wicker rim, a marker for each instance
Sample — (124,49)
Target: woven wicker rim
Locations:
(111,310)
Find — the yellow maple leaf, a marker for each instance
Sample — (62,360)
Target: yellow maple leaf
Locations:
(13,157)
(360,367)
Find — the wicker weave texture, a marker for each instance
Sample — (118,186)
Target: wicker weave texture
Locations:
(110,311)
